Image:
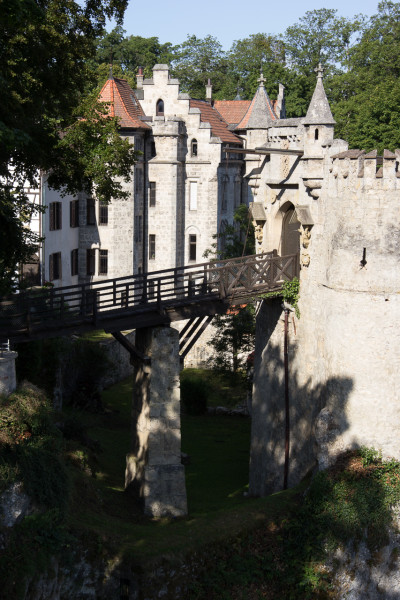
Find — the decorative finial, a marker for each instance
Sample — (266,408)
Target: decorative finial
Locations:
(238,97)
(319,71)
(261,79)
(110,73)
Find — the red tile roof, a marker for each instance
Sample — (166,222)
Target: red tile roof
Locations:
(123,103)
(232,111)
(219,127)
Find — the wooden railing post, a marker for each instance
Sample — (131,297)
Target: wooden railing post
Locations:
(144,292)
(190,286)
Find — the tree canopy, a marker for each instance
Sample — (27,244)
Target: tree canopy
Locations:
(55,53)
(45,49)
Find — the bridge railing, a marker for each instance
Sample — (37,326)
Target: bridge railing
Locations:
(225,279)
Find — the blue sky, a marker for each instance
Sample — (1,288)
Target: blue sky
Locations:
(172,20)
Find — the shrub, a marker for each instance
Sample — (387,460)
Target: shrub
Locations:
(194,394)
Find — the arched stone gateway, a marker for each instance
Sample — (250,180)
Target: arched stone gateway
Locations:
(290,241)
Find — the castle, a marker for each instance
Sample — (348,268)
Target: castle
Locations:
(337,208)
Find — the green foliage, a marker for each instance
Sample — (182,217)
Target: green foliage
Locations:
(224,387)
(194,393)
(128,53)
(195,61)
(31,546)
(286,560)
(76,365)
(45,49)
(289,293)
(31,449)
(233,339)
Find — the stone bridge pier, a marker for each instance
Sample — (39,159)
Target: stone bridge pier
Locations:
(154,473)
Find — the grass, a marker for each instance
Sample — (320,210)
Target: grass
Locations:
(242,548)
(224,388)
(98,335)
(216,478)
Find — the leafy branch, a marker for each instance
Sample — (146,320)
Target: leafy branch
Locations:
(290,293)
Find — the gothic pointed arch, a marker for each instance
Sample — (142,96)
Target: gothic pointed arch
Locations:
(290,236)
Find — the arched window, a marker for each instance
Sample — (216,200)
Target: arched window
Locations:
(160,108)
(193,147)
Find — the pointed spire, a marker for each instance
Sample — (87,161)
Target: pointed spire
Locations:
(260,114)
(238,97)
(319,111)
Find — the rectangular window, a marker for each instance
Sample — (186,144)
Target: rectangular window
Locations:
(55,216)
(152,193)
(152,246)
(74,262)
(90,261)
(74,213)
(193,195)
(192,247)
(103,213)
(55,266)
(103,262)
(90,211)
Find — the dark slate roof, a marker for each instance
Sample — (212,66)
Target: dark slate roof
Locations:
(219,127)
(123,103)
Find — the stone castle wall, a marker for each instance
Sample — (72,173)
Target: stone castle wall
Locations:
(343,353)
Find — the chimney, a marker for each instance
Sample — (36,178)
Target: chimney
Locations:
(209,91)
(139,78)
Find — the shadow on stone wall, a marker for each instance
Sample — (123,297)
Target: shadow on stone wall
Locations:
(314,430)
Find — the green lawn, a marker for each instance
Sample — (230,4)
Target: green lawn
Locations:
(216,479)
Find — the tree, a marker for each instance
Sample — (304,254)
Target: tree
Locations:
(128,53)
(367,114)
(234,332)
(45,49)
(196,61)
(245,59)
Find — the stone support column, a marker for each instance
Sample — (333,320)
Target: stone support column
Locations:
(8,381)
(154,472)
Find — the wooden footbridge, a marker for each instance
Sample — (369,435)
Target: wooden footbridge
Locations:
(190,292)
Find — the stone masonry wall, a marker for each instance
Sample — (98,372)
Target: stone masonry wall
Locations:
(344,358)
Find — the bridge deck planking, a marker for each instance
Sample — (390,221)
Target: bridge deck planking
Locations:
(144,300)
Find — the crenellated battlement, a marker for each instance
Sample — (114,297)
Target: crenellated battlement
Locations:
(358,168)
